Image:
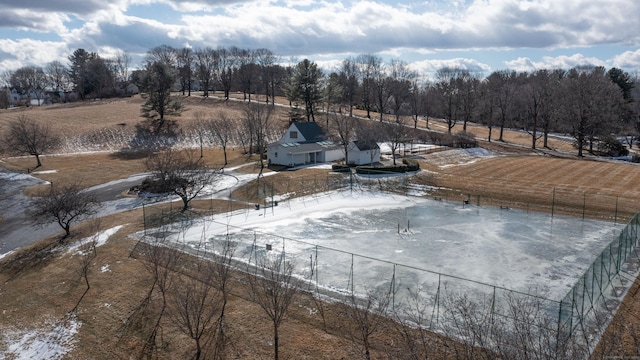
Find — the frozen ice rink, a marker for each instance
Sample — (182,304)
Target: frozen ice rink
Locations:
(518,250)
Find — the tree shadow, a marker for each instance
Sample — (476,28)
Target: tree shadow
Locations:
(150,137)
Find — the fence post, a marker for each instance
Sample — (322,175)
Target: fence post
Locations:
(553,201)
(144,219)
(615,216)
(438,300)
(559,325)
(393,288)
(351,275)
(493,308)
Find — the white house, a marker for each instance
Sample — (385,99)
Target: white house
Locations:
(303,143)
(363,153)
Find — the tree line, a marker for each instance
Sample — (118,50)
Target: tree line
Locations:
(595,106)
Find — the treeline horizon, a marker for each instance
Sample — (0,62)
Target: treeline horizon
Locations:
(596,106)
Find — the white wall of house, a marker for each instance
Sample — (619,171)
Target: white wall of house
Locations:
(366,157)
(333,155)
(292,135)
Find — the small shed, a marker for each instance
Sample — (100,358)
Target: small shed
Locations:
(361,152)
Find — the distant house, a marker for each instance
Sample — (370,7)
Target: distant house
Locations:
(303,143)
(363,152)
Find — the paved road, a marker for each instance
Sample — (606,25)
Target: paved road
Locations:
(16,229)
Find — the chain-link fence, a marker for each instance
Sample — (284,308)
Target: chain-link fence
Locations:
(581,314)
(585,308)
(554,200)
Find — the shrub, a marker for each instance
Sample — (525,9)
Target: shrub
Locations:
(610,146)
(465,140)
(378,170)
(412,165)
(340,168)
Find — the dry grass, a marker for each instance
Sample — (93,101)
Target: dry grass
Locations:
(603,188)
(42,281)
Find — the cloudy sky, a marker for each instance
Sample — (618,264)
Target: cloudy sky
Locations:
(480,35)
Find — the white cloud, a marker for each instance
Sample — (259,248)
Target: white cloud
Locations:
(558,62)
(628,60)
(31,52)
(311,29)
(430,67)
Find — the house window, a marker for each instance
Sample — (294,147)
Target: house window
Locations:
(293,134)
(276,154)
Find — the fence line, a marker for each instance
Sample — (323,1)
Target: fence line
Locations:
(339,273)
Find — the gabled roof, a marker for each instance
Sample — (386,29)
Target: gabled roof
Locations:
(311,131)
(364,145)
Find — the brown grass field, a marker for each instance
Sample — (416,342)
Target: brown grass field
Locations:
(42,282)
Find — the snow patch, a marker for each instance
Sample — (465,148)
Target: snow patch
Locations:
(458,157)
(52,341)
(6,254)
(100,239)
(45,172)
(105,268)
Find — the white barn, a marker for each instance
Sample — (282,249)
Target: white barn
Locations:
(303,143)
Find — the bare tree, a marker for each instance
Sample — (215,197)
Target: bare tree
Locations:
(449,90)
(57,75)
(349,82)
(227,65)
(247,70)
(160,262)
(272,288)
(30,81)
(367,316)
(343,131)
(381,88)
(396,133)
(26,136)
(87,252)
(257,122)
(420,100)
(411,322)
(593,103)
(368,66)
(501,91)
(468,84)
(266,60)
(470,322)
(206,60)
(196,303)
(223,257)
(222,126)
(64,205)
(185,66)
(180,172)
(200,127)
(402,79)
